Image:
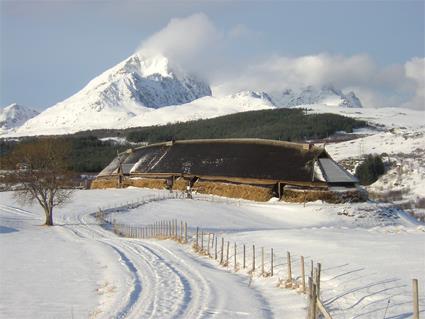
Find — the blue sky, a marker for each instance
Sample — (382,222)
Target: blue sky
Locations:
(51,49)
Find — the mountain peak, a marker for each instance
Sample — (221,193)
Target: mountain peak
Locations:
(14,115)
(147,65)
(253,95)
(133,87)
(327,95)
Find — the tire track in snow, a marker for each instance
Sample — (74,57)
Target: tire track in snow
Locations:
(158,289)
(16,211)
(169,282)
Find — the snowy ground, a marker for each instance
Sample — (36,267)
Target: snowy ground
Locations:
(369,254)
(399,137)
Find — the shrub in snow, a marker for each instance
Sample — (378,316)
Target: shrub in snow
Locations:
(370,169)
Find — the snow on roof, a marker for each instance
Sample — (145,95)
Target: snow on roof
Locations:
(334,173)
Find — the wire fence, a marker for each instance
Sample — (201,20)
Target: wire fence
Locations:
(292,271)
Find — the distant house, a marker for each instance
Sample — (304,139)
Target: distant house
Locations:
(244,168)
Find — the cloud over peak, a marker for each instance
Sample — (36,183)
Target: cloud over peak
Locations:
(182,38)
(198,45)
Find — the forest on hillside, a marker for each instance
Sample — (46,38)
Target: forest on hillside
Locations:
(90,154)
(278,124)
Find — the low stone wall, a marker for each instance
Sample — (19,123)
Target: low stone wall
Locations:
(157,183)
(101,183)
(310,195)
(243,191)
(112,182)
(256,193)
(180,184)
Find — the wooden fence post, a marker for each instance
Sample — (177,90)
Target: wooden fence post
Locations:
(202,242)
(302,275)
(234,259)
(415,299)
(212,240)
(319,269)
(262,261)
(311,269)
(243,256)
(170,229)
(197,238)
(227,254)
(288,258)
(222,250)
(253,258)
(271,262)
(160,228)
(313,301)
(215,248)
(209,241)
(185,232)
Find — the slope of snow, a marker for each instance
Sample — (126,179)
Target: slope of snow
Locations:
(95,274)
(64,122)
(327,95)
(131,88)
(400,138)
(103,276)
(351,241)
(13,116)
(206,107)
(385,117)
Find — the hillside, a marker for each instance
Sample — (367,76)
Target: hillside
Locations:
(93,150)
(278,124)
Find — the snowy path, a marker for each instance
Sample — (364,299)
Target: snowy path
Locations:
(79,270)
(167,282)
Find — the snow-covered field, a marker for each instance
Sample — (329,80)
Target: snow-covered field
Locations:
(399,138)
(369,252)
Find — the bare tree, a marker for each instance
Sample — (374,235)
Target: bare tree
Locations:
(41,174)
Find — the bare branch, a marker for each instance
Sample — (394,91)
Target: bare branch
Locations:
(42,175)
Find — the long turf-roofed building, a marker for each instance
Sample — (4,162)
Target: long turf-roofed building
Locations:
(244,168)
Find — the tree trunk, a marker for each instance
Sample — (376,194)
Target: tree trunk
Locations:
(49,216)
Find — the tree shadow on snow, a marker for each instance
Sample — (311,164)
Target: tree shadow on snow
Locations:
(7,230)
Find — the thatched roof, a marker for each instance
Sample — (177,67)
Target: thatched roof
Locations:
(226,158)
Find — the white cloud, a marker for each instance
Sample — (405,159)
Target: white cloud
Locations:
(197,45)
(376,86)
(415,70)
(183,38)
(242,31)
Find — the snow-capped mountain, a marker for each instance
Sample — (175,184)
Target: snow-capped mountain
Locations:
(14,115)
(326,95)
(149,90)
(205,107)
(135,86)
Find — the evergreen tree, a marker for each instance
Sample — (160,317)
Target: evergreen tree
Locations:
(370,169)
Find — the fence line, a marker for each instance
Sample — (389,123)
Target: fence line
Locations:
(178,231)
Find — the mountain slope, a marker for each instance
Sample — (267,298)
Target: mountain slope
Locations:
(131,88)
(206,107)
(14,115)
(202,108)
(327,95)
